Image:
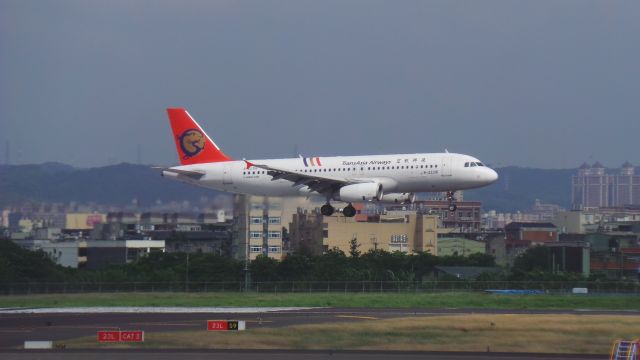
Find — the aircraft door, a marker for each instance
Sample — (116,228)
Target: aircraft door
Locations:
(445,166)
(226,174)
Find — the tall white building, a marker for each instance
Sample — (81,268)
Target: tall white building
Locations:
(593,187)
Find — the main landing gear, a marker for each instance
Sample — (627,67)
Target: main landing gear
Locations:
(349,211)
(328,210)
(452,203)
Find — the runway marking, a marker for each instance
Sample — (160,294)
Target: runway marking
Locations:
(82,327)
(166,324)
(156,310)
(358,317)
(15,331)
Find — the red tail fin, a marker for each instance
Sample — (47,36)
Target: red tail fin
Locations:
(193,144)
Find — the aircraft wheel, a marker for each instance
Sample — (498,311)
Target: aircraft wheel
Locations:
(349,211)
(327,210)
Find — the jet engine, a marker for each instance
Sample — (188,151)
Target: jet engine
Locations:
(398,198)
(360,192)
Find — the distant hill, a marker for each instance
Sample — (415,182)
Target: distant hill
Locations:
(517,188)
(119,184)
(109,185)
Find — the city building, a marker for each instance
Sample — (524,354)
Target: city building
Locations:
(93,254)
(572,257)
(69,253)
(305,232)
(459,246)
(520,236)
(593,187)
(545,212)
(83,221)
(614,248)
(404,232)
(534,233)
(594,220)
(261,224)
(103,253)
(467,218)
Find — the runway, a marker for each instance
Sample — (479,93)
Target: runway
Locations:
(277,355)
(59,325)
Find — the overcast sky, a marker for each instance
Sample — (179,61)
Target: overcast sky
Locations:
(531,83)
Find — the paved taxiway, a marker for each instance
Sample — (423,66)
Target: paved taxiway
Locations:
(275,355)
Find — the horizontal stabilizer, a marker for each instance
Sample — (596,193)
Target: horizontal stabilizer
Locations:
(196,175)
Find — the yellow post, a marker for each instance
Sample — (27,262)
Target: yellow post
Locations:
(613,349)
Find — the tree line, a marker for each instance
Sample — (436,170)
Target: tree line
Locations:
(20,265)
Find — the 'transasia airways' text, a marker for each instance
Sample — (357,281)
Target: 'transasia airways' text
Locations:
(364,163)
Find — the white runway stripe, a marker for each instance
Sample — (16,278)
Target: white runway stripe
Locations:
(117,309)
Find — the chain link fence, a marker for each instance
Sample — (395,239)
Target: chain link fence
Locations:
(550,287)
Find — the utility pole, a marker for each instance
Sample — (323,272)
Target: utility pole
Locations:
(186,280)
(265,226)
(244,202)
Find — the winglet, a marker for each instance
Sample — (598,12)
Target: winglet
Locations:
(249,163)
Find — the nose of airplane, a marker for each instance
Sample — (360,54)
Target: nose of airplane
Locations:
(492,176)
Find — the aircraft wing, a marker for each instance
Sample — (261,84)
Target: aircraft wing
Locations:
(315,181)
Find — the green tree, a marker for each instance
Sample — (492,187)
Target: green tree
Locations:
(480,259)
(353,247)
(264,268)
(533,259)
(331,266)
(20,265)
(422,264)
(381,265)
(295,266)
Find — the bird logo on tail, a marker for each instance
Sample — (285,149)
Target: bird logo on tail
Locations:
(191,142)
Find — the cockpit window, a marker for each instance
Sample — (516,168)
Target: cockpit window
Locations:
(466,164)
(479,164)
(473,164)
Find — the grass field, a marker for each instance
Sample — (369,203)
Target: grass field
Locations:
(585,334)
(400,300)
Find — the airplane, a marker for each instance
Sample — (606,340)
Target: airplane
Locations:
(369,178)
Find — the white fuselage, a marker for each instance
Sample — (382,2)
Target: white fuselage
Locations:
(403,173)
